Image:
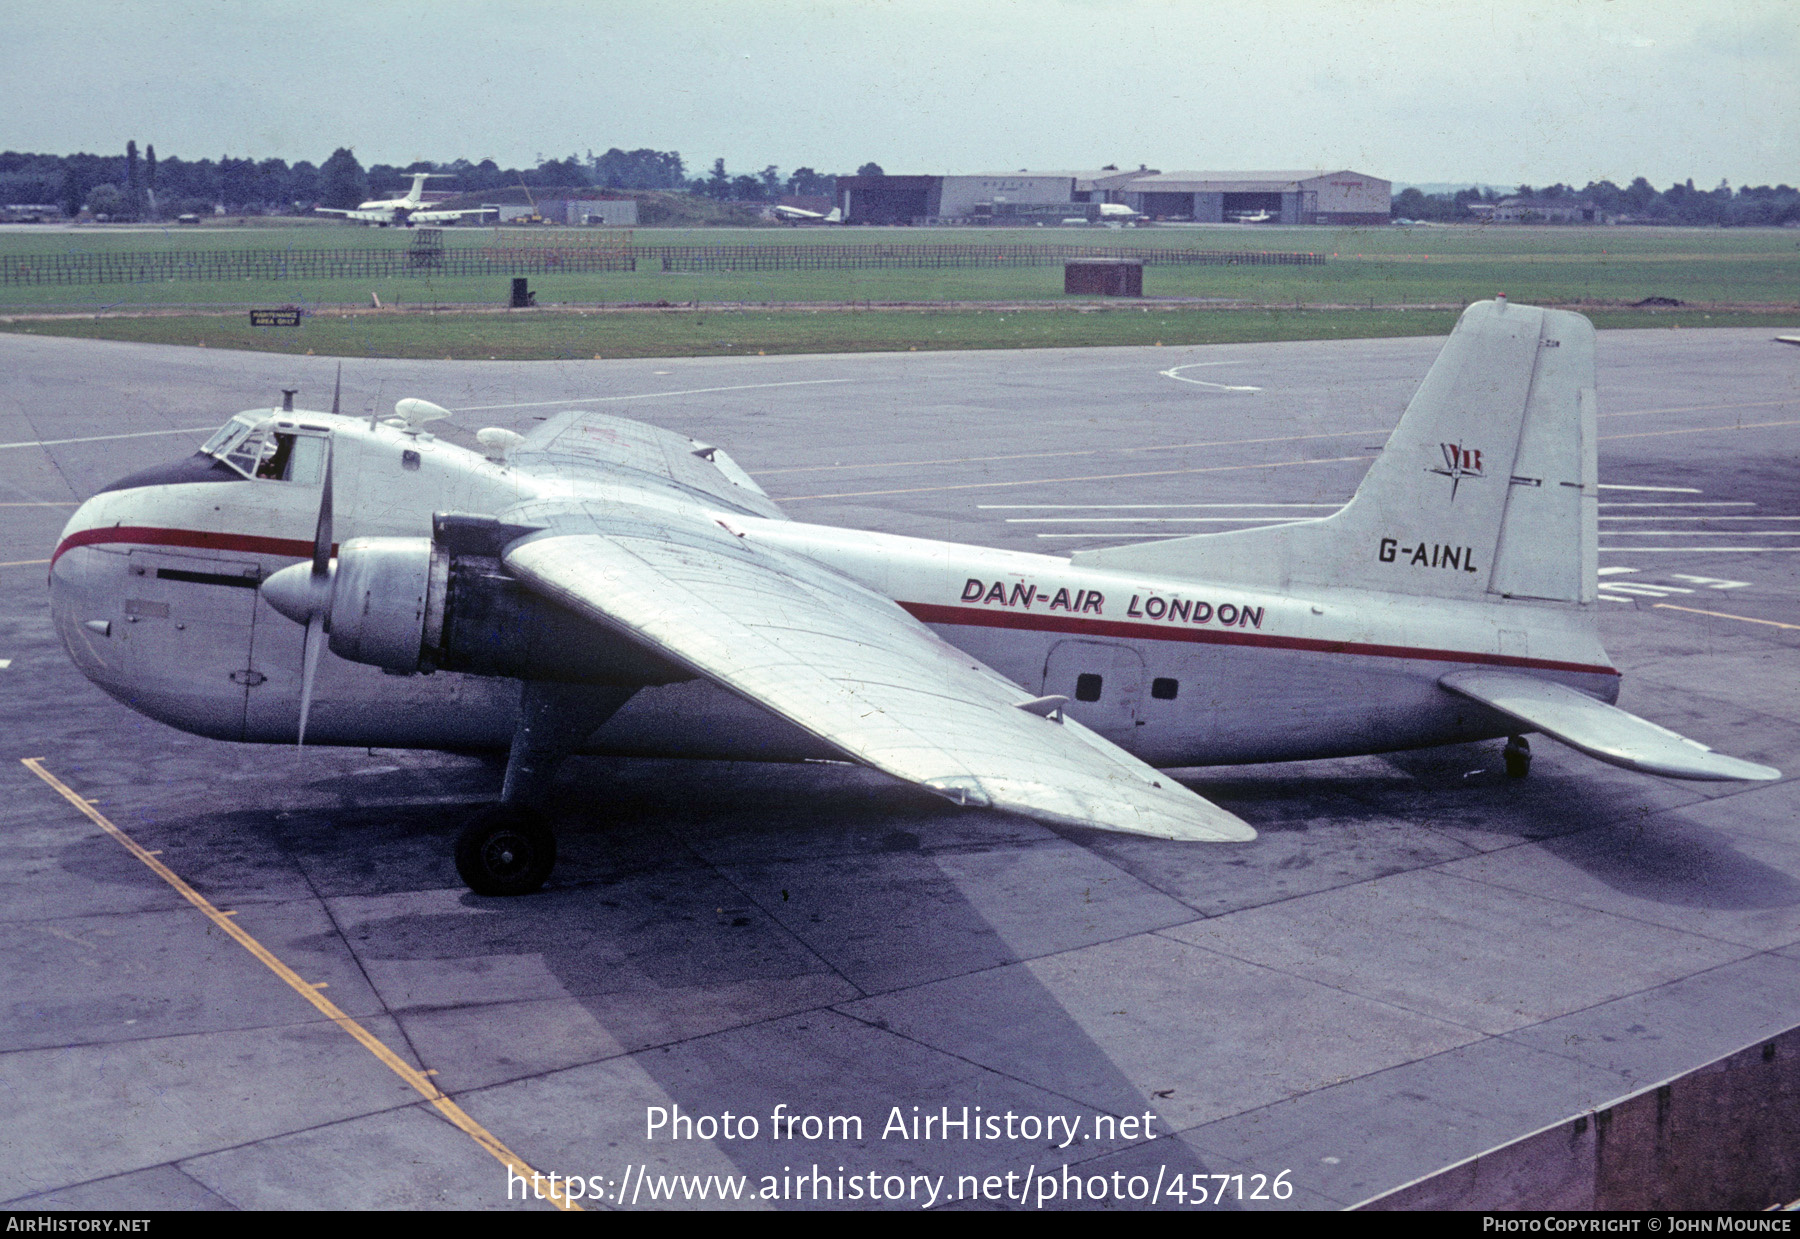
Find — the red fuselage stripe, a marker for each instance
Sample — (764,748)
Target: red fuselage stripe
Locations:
(932,613)
(196,539)
(926,612)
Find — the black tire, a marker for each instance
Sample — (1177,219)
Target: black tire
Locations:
(1517,756)
(505,850)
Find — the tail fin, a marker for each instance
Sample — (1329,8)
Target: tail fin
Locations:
(1487,487)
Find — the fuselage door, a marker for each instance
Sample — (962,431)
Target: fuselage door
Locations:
(186,635)
(1104,682)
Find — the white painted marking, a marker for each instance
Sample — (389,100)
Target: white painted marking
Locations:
(1672,503)
(649,395)
(1182,378)
(1695,550)
(1018,507)
(1643,589)
(1711,582)
(141,434)
(1673,490)
(1612,571)
(1666,519)
(5,663)
(1147,535)
(1156,520)
(1708,533)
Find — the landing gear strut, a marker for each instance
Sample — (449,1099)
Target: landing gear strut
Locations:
(1517,755)
(509,848)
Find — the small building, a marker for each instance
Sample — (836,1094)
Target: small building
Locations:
(1281,197)
(580,212)
(576,212)
(1547,211)
(1025,196)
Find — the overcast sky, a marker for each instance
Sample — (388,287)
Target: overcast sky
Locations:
(1502,91)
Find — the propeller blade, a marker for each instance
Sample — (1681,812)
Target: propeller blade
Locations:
(321,558)
(337,387)
(309,664)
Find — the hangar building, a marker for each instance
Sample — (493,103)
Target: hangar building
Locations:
(1289,197)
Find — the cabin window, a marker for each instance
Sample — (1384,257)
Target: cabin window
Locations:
(1087,687)
(1164,689)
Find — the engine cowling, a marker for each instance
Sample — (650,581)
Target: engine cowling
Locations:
(417,605)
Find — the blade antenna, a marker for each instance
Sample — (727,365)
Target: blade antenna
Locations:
(337,387)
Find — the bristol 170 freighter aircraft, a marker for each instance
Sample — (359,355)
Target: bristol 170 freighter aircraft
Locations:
(604,586)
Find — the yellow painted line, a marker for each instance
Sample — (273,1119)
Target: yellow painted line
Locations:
(1094,477)
(308,990)
(22,563)
(1669,606)
(1700,430)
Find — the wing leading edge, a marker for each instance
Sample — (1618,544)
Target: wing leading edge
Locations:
(851,667)
(1599,730)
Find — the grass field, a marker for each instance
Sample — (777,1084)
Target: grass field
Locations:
(552,334)
(1379,270)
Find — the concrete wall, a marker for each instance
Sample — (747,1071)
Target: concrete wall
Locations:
(1723,1136)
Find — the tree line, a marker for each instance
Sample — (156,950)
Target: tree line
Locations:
(131,186)
(1637,203)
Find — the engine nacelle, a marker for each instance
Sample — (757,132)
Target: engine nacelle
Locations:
(380,591)
(412,605)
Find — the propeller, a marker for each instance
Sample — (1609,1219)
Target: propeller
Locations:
(337,388)
(302,592)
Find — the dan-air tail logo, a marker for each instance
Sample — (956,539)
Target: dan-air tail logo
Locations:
(1459,462)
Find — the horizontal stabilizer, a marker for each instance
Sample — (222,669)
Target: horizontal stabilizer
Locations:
(1599,730)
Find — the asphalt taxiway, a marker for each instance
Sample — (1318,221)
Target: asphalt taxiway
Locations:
(1417,960)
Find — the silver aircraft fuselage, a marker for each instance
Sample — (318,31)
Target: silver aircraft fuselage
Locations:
(154,593)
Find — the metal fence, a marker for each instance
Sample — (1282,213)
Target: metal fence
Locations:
(332,264)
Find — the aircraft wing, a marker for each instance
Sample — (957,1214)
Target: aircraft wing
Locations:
(584,444)
(1597,729)
(848,666)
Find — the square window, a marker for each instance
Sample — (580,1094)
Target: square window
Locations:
(1087,687)
(1164,689)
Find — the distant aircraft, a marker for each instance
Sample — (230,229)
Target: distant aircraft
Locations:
(1787,339)
(1251,217)
(404,211)
(800,215)
(602,585)
(1118,212)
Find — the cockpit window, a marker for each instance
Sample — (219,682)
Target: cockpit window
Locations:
(246,454)
(268,450)
(225,436)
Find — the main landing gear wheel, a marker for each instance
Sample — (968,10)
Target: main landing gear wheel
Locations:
(505,850)
(1517,756)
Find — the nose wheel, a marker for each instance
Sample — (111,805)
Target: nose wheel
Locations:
(505,850)
(1517,756)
